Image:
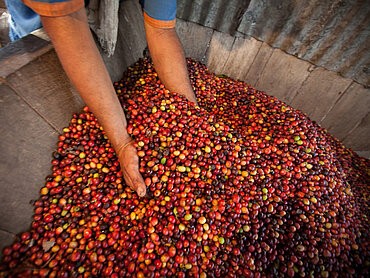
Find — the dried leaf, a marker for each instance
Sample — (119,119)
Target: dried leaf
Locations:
(46,245)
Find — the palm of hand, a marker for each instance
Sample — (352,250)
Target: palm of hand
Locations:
(129,161)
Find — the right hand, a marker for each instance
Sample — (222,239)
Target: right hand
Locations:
(129,160)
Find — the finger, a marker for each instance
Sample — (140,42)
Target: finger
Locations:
(136,183)
(141,190)
(139,185)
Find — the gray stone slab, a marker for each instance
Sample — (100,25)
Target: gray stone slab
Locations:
(259,63)
(41,33)
(219,51)
(27,142)
(45,86)
(195,39)
(283,75)
(359,138)
(320,92)
(131,27)
(6,239)
(115,64)
(19,53)
(4,27)
(348,112)
(362,74)
(365,154)
(241,57)
(131,40)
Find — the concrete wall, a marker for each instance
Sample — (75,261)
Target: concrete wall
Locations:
(332,34)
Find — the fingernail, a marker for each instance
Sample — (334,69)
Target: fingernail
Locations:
(142,192)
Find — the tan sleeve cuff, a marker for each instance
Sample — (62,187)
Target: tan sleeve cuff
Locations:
(161,24)
(55,9)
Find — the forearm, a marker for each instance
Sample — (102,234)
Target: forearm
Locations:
(84,66)
(169,60)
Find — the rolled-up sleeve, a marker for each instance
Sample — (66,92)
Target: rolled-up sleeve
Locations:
(159,13)
(54,7)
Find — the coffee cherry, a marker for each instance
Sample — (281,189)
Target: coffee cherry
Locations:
(241,186)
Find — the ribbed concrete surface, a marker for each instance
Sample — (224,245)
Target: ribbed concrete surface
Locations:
(331,34)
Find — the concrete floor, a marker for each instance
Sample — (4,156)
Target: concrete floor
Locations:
(36,102)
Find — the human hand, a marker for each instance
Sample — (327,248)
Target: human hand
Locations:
(129,160)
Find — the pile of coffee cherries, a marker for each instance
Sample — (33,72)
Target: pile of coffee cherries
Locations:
(241,186)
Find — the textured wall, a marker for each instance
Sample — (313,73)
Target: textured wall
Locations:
(332,34)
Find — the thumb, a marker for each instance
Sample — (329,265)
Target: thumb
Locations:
(130,168)
(138,183)
(135,181)
(140,189)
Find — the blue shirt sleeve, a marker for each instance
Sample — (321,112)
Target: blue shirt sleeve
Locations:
(22,20)
(164,10)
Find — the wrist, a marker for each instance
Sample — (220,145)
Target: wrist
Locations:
(121,144)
